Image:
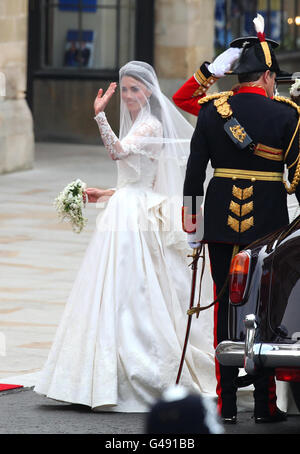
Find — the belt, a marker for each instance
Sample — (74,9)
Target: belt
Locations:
(252,175)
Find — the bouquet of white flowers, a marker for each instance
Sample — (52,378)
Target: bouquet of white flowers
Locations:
(70,203)
(295,88)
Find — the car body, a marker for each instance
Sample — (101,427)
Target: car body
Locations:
(264,308)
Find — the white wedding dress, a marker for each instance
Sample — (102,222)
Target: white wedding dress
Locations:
(120,339)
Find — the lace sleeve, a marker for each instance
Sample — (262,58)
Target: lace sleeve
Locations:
(110,140)
(132,143)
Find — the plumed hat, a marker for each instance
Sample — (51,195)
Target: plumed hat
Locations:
(258,52)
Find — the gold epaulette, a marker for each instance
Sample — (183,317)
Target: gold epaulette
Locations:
(215,96)
(287,101)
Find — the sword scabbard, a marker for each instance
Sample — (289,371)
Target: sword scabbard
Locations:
(194,265)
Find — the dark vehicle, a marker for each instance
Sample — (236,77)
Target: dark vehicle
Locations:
(264,320)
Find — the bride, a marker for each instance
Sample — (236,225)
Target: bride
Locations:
(119,342)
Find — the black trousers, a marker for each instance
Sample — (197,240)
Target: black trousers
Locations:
(264,395)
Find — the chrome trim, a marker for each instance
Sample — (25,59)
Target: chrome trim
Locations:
(230,353)
(249,359)
(278,355)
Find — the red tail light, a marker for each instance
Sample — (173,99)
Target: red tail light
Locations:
(238,277)
(288,374)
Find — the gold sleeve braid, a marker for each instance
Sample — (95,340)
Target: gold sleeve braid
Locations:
(292,188)
(204,82)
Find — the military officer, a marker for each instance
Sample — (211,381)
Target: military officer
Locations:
(248,135)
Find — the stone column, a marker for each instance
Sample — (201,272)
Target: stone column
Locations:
(16,125)
(184,38)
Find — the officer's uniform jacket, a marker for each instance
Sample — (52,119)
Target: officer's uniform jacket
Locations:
(188,95)
(246,199)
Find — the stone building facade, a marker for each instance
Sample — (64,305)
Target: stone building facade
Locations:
(173,35)
(41,100)
(16,123)
(183,39)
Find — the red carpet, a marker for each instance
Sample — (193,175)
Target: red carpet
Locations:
(6,387)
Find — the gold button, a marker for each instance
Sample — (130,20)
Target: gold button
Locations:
(234,178)
(253,179)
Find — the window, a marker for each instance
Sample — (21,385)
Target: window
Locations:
(233,18)
(87,34)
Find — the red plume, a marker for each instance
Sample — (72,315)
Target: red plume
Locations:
(259,24)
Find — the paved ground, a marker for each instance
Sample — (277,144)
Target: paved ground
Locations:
(39,258)
(25,412)
(28,413)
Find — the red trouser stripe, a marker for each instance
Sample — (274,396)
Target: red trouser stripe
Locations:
(272,395)
(217,366)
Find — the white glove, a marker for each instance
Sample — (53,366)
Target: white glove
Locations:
(194,245)
(194,241)
(222,64)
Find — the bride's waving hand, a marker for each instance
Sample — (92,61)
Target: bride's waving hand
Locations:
(102,100)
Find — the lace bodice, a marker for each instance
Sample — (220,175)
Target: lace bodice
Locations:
(137,157)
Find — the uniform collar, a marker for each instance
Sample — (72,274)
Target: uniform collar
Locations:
(250,89)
